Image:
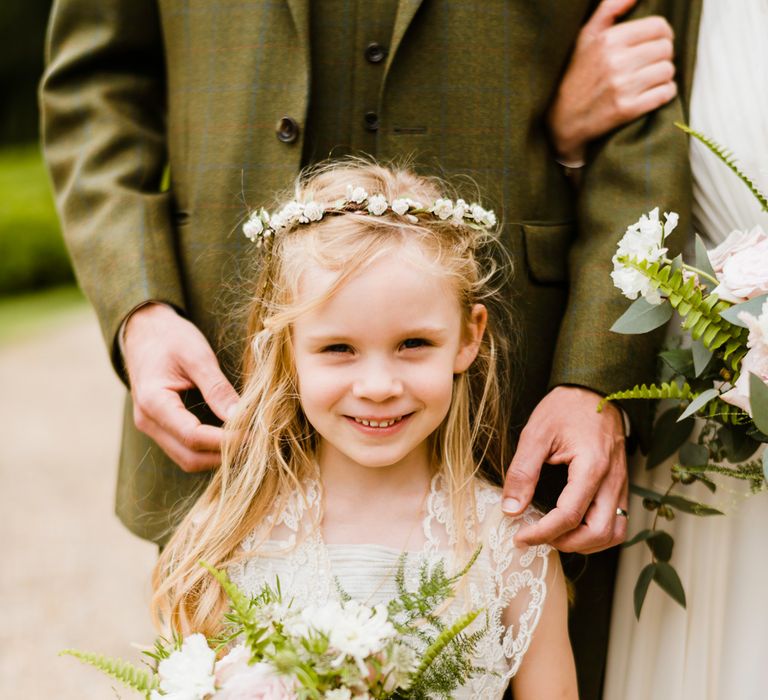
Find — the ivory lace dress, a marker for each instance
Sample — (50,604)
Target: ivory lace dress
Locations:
(716,649)
(311,572)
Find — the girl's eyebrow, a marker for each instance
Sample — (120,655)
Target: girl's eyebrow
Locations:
(333,336)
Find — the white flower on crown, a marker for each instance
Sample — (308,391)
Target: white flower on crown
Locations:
(313,211)
(187,674)
(356,194)
(460,210)
(442,209)
(377,204)
(400,206)
(253,227)
(643,240)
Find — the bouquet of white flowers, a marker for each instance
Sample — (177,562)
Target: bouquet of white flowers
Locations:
(343,650)
(720,378)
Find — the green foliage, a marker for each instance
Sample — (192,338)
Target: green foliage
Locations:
(126,673)
(669,433)
(726,157)
(32,252)
(642,317)
(665,390)
(700,312)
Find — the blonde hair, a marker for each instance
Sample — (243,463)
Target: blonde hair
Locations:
(269,446)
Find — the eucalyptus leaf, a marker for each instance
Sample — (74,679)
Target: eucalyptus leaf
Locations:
(677,263)
(645,493)
(699,402)
(703,263)
(739,447)
(661,544)
(669,581)
(667,436)
(639,537)
(685,505)
(701,357)
(693,455)
(680,360)
(642,317)
(641,587)
(707,482)
(758,402)
(753,306)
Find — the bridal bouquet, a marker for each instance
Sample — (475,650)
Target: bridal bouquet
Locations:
(719,375)
(343,650)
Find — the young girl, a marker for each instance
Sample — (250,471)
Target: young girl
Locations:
(371,401)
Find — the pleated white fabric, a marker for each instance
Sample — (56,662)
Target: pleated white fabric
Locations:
(717,649)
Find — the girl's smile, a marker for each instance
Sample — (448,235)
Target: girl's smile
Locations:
(376,360)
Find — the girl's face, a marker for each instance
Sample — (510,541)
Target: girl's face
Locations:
(376,361)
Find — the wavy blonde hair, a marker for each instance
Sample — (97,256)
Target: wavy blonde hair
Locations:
(269,446)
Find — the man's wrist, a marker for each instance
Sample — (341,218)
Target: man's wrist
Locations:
(122,330)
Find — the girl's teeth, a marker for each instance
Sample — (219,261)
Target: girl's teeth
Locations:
(378,424)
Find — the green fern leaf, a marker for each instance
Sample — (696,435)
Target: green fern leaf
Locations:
(671,390)
(729,160)
(136,678)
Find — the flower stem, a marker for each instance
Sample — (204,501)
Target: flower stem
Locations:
(699,272)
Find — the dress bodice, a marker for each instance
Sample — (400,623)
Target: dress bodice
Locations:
(508,582)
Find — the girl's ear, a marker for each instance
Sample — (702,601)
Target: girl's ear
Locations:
(473,335)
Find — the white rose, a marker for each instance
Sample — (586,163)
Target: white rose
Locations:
(744,274)
(377,204)
(356,194)
(400,206)
(313,211)
(253,227)
(735,243)
(442,208)
(187,674)
(754,362)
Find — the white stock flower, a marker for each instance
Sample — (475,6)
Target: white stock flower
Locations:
(401,664)
(754,362)
(643,240)
(187,674)
(400,206)
(442,209)
(743,266)
(377,204)
(356,194)
(338,694)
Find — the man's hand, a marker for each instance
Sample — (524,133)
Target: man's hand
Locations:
(565,428)
(164,355)
(618,72)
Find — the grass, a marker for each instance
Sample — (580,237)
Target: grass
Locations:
(32,253)
(23,314)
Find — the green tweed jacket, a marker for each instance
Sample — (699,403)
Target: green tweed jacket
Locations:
(219,91)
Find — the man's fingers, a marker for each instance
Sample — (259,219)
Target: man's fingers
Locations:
(640,31)
(523,473)
(218,393)
(607,12)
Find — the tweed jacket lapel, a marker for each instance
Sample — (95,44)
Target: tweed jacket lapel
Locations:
(406,10)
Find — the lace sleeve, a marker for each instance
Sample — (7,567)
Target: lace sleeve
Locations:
(520,589)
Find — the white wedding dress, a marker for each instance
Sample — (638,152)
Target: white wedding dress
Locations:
(311,572)
(716,649)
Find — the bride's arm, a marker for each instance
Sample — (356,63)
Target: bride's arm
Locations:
(548,669)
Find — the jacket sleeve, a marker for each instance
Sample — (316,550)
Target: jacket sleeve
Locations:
(630,171)
(103,129)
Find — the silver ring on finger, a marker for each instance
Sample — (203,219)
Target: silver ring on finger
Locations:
(622,513)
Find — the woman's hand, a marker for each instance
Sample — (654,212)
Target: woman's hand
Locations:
(618,72)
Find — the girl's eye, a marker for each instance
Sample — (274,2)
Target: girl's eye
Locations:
(337,348)
(412,343)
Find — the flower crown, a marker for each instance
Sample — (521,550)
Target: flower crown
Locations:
(261,226)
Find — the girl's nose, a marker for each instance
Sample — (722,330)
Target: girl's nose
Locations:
(377,382)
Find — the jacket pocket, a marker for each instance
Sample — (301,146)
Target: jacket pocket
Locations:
(546,250)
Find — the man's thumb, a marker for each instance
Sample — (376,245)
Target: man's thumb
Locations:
(218,393)
(606,14)
(520,483)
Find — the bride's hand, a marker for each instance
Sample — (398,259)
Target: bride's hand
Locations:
(618,72)
(565,428)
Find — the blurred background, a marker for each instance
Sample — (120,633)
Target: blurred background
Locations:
(70,574)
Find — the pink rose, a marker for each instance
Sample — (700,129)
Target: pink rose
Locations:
(734,243)
(755,361)
(239,680)
(744,275)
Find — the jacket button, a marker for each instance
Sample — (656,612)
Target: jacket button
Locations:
(375,53)
(287,130)
(371,121)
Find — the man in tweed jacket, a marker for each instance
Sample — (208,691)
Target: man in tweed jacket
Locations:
(235,98)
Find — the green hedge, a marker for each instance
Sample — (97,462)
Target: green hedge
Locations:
(32,253)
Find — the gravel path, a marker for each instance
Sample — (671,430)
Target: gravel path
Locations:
(70,574)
